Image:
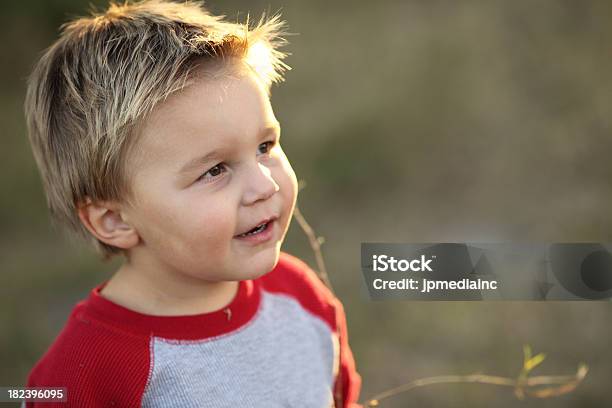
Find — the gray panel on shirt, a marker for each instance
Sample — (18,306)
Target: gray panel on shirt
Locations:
(284,357)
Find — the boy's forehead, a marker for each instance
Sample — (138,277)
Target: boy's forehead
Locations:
(211,101)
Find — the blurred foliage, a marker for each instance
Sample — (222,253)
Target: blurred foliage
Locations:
(410,121)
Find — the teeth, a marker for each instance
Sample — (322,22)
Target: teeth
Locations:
(255,231)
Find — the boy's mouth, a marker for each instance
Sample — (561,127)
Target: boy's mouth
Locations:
(262,226)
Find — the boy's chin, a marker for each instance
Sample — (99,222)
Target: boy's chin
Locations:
(263,263)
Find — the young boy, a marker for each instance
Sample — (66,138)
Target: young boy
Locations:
(152,128)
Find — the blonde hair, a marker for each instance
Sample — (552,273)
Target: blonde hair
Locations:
(91,89)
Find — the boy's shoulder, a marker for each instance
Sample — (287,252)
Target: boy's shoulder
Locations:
(95,363)
(293,278)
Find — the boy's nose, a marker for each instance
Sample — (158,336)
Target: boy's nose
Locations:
(260,185)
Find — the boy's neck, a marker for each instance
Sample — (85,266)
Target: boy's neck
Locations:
(162,295)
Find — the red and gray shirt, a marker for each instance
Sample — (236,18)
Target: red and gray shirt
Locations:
(281,342)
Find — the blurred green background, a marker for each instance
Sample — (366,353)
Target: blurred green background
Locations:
(409,121)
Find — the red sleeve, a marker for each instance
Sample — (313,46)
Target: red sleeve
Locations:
(348,382)
(99,366)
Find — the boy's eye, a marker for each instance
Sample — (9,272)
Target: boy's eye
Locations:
(266,147)
(218,170)
(213,172)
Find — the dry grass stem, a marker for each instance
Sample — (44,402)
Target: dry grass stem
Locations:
(315,244)
(537,387)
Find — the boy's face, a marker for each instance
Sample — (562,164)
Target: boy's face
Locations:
(208,168)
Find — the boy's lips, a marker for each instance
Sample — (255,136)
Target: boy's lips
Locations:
(253,226)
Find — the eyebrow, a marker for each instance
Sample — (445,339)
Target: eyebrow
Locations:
(198,161)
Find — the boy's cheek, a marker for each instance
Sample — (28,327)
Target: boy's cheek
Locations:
(288,169)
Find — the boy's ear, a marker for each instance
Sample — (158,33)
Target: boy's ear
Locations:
(105,221)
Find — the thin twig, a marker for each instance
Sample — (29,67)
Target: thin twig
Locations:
(315,244)
(567,383)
